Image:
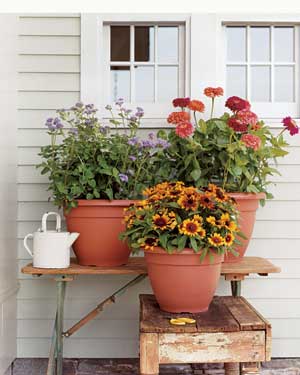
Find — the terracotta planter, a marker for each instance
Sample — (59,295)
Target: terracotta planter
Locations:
(99,223)
(180,282)
(247,204)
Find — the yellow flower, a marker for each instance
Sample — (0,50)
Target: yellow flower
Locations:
(198,218)
(221,196)
(216,240)
(160,221)
(202,232)
(229,238)
(190,228)
(206,202)
(211,220)
(149,244)
(188,202)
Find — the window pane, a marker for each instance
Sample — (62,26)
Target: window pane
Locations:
(144,43)
(144,83)
(284,44)
(167,83)
(167,48)
(236,44)
(119,43)
(120,82)
(260,43)
(260,83)
(284,84)
(236,81)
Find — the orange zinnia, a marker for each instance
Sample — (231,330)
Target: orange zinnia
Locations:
(196,105)
(212,92)
(178,117)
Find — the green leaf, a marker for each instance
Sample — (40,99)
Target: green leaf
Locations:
(89,196)
(182,242)
(202,126)
(196,173)
(194,244)
(109,193)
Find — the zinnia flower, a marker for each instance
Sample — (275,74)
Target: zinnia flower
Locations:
(237,125)
(190,227)
(234,103)
(216,240)
(184,129)
(247,117)
(181,102)
(251,141)
(196,105)
(178,117)
(212,92)
(290,125)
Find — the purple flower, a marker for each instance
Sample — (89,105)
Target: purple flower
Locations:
(163,143)
(50,119)
(133,141)
(119,102)
(123,177)
(79,105)
(132,157)
(73,131)
(148,143)
(108,107)
(133,118)
(151,135)
(127,111)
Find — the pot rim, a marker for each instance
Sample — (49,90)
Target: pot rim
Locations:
(247,196)
(105,202)
(186,251)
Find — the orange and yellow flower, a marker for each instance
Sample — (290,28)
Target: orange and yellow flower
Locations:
(216,240)
(149,244)
(188,202)
(160,221)
(190,228)
(221,196)
(196,105)
(206,201)
(227,222)
(198,218)
(229,238)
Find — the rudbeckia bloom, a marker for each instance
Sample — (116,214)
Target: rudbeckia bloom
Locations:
(188,202)
(216,240)
(190,227)
(149,243)
(160,221)
(205,201)
(229,238)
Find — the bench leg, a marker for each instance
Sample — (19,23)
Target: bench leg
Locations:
(250,368)
(149,356)
(232,368)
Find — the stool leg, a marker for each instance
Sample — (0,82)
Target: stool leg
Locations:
(250,368)
(61,288)
(149,356)
(232,368)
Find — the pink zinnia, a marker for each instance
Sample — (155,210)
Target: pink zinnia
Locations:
(251,141)
(234,103)
(291,125)
(184,129)
(247,117)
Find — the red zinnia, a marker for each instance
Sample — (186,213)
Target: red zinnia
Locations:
(290,125)
(247,117)
(178,117)
(234,103)
(212,92)
(181,102)
(184,129)
(251,141)
(196,105)
(237,125)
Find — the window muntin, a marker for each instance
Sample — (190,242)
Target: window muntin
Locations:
(152,72)
(261,63)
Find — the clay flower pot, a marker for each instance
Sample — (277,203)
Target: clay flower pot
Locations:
(247,204)
(180,282)
(99,223)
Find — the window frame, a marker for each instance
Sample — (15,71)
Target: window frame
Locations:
(94,61)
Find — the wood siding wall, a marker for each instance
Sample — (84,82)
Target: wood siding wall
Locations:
(49,78)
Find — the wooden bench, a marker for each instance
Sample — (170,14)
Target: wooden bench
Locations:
(231,331)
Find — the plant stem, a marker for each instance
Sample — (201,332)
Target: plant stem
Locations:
(212,107)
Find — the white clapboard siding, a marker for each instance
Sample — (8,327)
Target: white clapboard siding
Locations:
(49,79)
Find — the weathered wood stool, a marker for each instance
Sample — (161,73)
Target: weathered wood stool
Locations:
(231,331)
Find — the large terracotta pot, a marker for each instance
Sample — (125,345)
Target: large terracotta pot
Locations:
(99,223)
(247,204)
(180,282)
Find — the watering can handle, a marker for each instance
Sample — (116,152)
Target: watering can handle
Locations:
(44,221)
(26,246)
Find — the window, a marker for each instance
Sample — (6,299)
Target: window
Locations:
(262,66)
(144,63)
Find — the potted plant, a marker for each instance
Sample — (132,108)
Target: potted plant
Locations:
(95,173)
(184,232)
(234,151)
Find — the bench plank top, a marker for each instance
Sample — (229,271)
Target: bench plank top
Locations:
(225,314)
(137,266)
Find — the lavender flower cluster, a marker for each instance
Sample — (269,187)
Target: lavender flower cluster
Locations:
(127,112)
(151,142)
(54,124)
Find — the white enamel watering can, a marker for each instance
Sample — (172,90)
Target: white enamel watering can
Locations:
(51,248)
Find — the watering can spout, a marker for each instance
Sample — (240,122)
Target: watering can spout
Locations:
(72,238)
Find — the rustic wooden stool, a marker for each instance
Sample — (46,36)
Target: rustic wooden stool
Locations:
(231,331)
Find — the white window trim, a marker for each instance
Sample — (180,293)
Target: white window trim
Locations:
(93,58)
